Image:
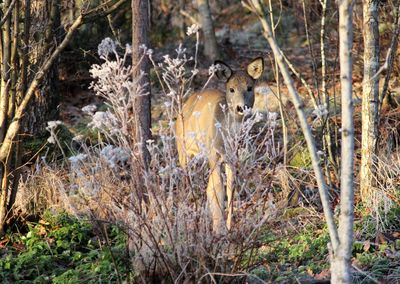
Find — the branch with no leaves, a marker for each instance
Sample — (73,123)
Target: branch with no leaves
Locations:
(385,66)
(191,18)
(7,13)
(303,81)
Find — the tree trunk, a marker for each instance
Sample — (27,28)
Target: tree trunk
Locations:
(340,258)
(140,36)
(370,98)
(210,41)
(43,106)
(5,69)
(4,96)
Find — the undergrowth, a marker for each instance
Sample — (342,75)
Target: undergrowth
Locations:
(63,249)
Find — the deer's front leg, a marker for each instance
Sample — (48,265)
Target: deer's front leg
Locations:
(215,198)
(229,192)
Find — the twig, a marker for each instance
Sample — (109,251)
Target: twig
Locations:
(390,56)
(311,50)
(278,84)
(7,13)
(191,18)
(303,81)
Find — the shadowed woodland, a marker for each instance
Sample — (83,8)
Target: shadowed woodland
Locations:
(202,141)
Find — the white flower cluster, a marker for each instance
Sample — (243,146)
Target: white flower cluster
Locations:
(106,73)
(115,156)
(272,116)
(272,119)
(175,65)
(147,51)
(51,140)
(321,111)
(105,121)
(128,48)
(106,47)
(78,158)
(51,125)
(193,29)
(89,109)
(212,69)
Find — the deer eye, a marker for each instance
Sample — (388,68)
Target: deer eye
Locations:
(232,90)
(249,89)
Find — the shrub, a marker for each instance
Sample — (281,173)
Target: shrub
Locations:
(164,209)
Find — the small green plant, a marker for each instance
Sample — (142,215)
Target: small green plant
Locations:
(63,249)
(297,255)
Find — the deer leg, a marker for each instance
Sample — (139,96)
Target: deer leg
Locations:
(215,197)
(229,193)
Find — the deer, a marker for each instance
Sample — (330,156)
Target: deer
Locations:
(204,119)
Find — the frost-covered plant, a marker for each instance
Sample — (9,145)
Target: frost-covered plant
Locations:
(164,208)
(51,127)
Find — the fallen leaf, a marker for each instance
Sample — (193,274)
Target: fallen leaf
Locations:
(367,245)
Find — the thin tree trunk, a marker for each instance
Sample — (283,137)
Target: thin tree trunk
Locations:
(370,98)
(23,81)
(5,70)
(14,62)
(4,96)
(210,41)
(325,97)
(140,36)
(279,93)
(340,258)
(393,52)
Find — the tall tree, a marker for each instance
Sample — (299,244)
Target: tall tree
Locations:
(4,100)
(340,259)
(140,37)
(370,97)
(210,41)
(5,68)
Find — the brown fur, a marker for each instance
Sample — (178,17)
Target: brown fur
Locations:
(196,129)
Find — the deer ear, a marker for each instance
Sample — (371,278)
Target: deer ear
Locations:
(224,72)
(256,68)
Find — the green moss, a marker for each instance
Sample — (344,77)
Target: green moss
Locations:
(294,212)
(301,159)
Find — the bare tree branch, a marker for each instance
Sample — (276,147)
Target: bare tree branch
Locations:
(7,13)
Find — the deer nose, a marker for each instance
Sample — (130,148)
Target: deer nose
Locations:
(241,109)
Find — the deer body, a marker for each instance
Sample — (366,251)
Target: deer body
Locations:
(206,117)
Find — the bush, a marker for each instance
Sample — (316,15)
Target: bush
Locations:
(164,209)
